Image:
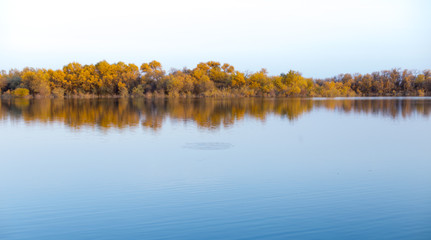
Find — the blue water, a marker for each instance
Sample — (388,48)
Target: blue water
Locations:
(249,169)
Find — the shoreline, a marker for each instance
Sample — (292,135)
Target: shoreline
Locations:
(211,97)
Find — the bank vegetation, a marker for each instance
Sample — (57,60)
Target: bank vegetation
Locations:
(210,79)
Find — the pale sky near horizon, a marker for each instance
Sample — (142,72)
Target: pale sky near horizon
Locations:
(315,37)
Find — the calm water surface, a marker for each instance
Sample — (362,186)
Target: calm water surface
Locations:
(215,169)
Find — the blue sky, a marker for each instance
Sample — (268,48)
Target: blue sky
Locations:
(317,38)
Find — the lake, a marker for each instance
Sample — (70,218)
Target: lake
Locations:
(348,168)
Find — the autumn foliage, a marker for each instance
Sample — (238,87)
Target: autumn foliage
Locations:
(210,79)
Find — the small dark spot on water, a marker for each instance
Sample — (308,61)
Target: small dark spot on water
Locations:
(208,146)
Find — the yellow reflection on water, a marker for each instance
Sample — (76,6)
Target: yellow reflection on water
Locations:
(206,113)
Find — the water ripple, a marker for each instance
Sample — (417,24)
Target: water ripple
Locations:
(208,146)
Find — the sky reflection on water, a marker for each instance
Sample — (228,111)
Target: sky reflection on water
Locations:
(215,169)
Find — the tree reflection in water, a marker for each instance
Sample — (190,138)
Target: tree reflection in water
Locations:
(206,113)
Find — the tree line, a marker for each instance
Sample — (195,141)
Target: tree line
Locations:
(209,79)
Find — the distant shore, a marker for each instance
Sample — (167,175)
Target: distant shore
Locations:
(206,80)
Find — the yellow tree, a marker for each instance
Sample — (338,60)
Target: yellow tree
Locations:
(108,76)
(296,85)
(37,81)
(261,83)
(238,79)
(89,80)
(3,80)
(56,79)
(71,77)
(128,74)
(179,82)
(152,74)
(201,74)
